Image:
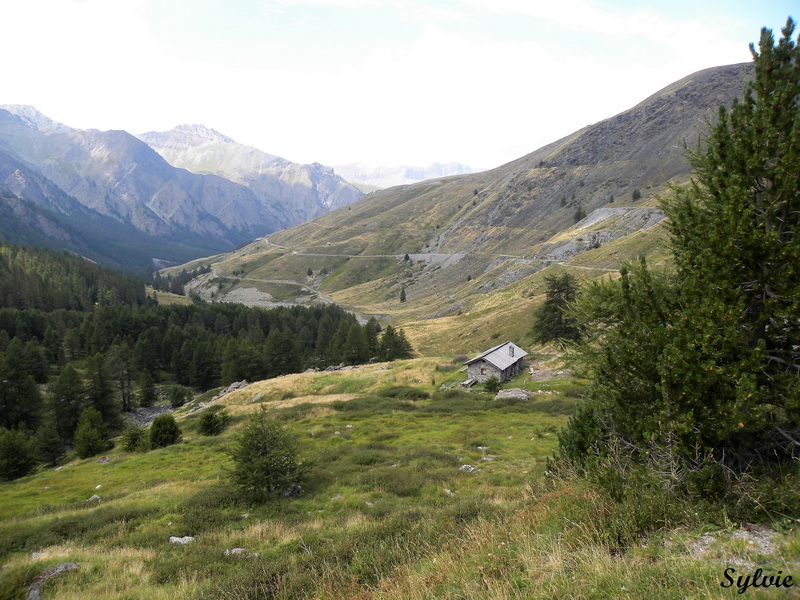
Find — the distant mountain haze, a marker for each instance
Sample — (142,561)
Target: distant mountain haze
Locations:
(91,179)
(383,177)
(301,192)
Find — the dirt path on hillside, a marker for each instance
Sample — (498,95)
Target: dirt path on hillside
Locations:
(563,264)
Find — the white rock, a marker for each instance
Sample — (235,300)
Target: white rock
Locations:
(181,540)
(514,393)
(94,498)
(466,468)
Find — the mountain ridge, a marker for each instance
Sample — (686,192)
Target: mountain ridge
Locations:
(301,191)
(451,243)
(103,181)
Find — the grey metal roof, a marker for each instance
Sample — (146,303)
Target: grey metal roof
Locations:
(501,356)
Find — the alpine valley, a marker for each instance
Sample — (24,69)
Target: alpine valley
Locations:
(468,253)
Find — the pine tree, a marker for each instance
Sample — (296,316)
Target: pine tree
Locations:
(67,397)
(281,353)
(229,370)
(265,458)
(17,454)
(393,345)
(20,399)
(335,352)
(48,445)
(100,389)
(147,389)
(734,236)
(355,350)
(371,330)
(91,436)
(707,362)
(552,321)
(121,365)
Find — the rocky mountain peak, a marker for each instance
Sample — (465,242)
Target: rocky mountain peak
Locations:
(185,136)
(31,117)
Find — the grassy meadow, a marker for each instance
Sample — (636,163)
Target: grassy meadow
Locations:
(387,511)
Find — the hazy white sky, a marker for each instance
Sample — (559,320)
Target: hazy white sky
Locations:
(385,82)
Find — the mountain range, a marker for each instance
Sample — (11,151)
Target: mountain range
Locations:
(113,198)
(465,245)
(298,192)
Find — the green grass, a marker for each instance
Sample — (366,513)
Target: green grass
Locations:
(386,513)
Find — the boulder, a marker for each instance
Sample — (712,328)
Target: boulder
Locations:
(513,393)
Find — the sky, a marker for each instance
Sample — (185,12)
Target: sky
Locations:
(381,82)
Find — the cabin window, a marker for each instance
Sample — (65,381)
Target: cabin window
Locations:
(483,370)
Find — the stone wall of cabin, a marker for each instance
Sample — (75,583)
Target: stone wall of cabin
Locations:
(474,371)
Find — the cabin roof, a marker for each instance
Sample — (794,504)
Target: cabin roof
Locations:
(502,356)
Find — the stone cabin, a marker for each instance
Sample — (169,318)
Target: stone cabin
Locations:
(504,362)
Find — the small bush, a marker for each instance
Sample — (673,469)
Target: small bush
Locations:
(164,431)
(212,422)
(178,396)
(492,385)
(266,458)
(135,439)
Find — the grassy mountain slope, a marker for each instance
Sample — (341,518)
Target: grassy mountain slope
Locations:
(386,513)
(479,242)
